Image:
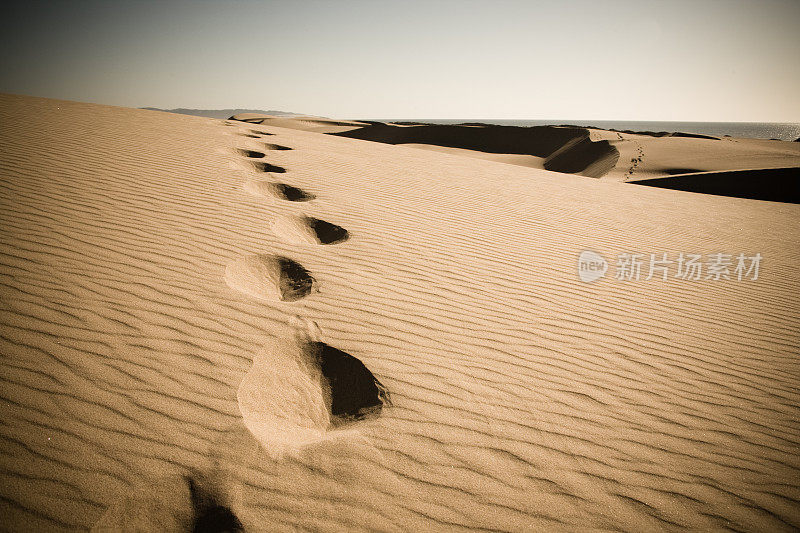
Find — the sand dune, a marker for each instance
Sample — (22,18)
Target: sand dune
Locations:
(774,184)
(562,149)
(315,124)
(182,347)
(644,157)
(222,113)
(531,161)
(624,156)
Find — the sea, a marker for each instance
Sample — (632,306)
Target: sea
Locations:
(784,131)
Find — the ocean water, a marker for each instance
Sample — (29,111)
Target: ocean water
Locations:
(756,130)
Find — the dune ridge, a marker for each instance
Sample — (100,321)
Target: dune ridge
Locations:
(221,113)
(563,149)
(521,398)
(620,155)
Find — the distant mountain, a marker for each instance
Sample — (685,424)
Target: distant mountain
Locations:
(220,113)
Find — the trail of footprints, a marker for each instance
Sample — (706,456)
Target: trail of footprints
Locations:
(340,383)
(298,389)
(635,161)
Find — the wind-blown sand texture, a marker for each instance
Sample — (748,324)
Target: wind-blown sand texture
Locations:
(180,347)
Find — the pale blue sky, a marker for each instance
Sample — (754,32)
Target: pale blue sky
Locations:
(700,60)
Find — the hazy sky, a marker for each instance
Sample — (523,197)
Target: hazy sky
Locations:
(628,60)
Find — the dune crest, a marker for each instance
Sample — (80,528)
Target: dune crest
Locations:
(621,155)
(303,123)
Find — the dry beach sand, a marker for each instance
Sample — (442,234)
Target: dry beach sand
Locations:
(219,325)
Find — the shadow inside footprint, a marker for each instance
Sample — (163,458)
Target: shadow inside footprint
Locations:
(188,502)
(292,194)
(308,230)
(270,146)
(295,281)
(266,167)
(278,190)
(209,515)
(355,392)
(326,232)
(251,153)
(270,277)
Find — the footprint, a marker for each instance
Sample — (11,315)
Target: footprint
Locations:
(271,277)
(278,190)
(170,504)
(354,392)
(262,166)
(271,146)
(300,388)
(251,153)
(310,230)
(209,514)
(292,194)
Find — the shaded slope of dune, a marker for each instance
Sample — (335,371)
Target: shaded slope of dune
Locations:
(539,141)
(773,184)
(567,149)
(522,399)
(583,156)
